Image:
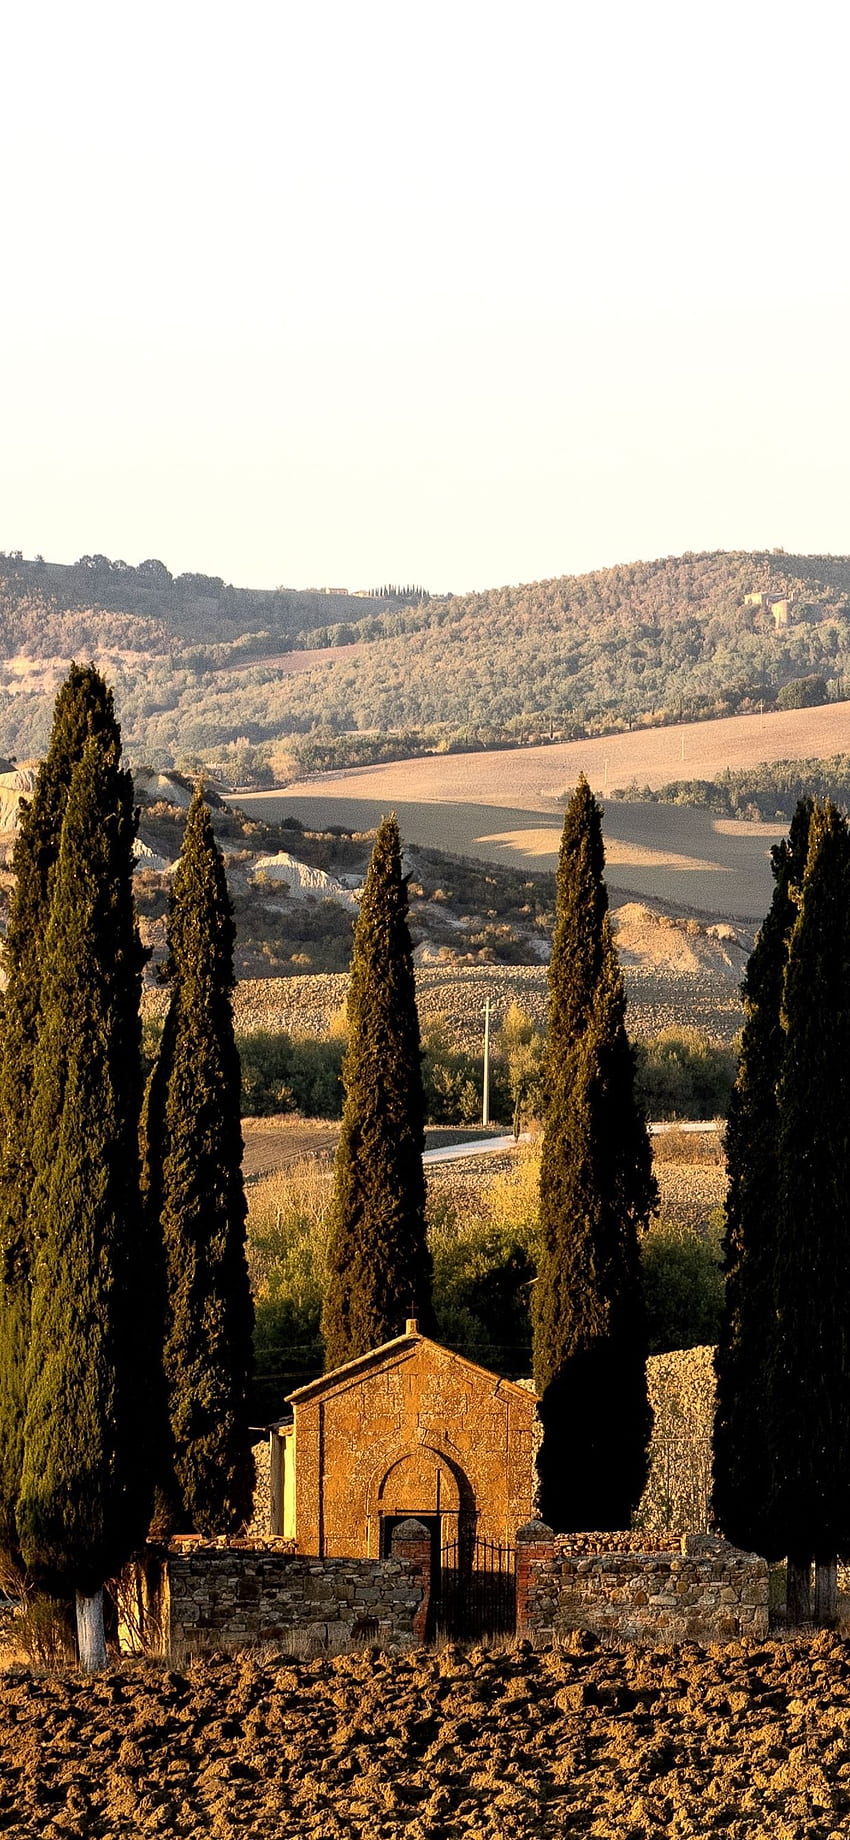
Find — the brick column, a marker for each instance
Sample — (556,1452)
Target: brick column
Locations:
(535,1544)
(411,1544)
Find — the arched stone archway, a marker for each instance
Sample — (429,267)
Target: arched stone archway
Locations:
(421,1484)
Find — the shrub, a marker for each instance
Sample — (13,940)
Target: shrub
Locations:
(281,1073)
(43,1633)
(482,1278)
(682,1285)
(803,693)
(287,1237)
(681,1073)
(452,1080)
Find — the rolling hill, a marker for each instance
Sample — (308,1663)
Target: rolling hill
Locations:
(205,672)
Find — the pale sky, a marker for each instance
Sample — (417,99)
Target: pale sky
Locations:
(329,294)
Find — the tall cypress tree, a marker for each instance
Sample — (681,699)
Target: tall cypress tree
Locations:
(596,1192)
(379,1265)
(810,1377)
(194,1191)
(743,1440)
(86,1472)
(83,707)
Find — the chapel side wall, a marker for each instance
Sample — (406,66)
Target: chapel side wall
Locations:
(304,1450)
(286,1484)
(694,1589)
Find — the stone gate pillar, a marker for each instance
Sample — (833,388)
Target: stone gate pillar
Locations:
(411,1544)
(535,1543)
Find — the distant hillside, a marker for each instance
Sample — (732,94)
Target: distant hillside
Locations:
(207,672)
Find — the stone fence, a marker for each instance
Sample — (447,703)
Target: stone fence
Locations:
(636,1589)
(197,1594)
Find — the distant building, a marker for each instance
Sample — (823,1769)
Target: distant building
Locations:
(408,1430)
(780,606)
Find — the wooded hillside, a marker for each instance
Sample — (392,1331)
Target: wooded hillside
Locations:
(206,670)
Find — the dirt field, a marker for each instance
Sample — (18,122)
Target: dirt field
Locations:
(690,1191)
(454,996)
(742,1742)
(668,853)
(685,857)
(288,663)
(651,756)
(272,1143)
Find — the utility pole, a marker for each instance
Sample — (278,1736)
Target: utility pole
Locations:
(485,1100)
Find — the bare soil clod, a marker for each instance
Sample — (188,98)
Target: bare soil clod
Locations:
(744,1741)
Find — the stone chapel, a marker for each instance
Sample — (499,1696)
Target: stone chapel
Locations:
(408,1430)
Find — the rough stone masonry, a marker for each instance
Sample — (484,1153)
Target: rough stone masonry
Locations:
(628,1587)
(636,1587)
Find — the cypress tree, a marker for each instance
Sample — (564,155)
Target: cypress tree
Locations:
(83,707)
(810,1376)
(596,1192)
(743,1440)
(194,1190)
(86,1472)
(379,1265)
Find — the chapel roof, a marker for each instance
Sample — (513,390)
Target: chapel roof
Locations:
(390,1352)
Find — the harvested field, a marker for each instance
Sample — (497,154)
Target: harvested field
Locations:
(649,756)
(684,858)
(291,663)
(690,1188)
(690,1192)
(744,1741)
(273,1143)
(490,804)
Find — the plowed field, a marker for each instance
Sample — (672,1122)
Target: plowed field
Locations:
(737,1742)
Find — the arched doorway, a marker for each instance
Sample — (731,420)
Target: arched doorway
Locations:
(423,1485)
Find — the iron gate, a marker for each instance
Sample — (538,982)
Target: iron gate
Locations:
(476,1593)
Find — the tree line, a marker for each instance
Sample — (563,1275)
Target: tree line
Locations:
(125,1327)
(782,1432)
(679,1073)
(771,790)
(596,1187)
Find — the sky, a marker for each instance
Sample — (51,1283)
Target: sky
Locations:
(461,295)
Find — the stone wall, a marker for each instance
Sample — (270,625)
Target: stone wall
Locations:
(698,1589)
(260,1525)
(196,1594)
(682,1396)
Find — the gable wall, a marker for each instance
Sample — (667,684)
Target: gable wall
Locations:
(386,1441)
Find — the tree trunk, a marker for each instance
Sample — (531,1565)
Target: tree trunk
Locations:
(91,1639)
(798,1595)
(826,1591)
